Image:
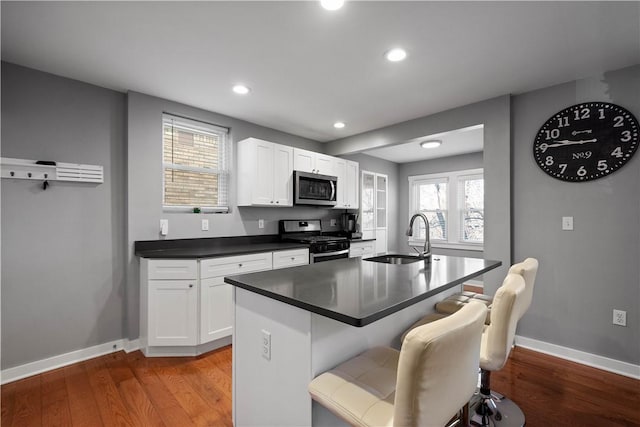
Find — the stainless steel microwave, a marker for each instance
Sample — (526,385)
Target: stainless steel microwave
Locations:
(314,189)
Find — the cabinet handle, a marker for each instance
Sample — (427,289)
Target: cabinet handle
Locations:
(191,285)
(293,258)
(277,201)
(239,265)
(272,201)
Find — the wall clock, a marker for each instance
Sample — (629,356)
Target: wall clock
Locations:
(586,141)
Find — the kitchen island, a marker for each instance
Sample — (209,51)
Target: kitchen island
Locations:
(292,324)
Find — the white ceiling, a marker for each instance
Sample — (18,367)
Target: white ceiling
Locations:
(309,67)
(455,142)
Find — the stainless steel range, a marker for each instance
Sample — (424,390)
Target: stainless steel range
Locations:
(321,248)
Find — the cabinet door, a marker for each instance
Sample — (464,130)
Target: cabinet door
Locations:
(173,308)
(216,309)
(340,170)
(304,160)
(324,164)
(263,180)
(283,175)
(352,186)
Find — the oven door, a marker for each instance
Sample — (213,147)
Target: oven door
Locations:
(328,256)
(314,189)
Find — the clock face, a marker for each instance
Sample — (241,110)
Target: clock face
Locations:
(586,141)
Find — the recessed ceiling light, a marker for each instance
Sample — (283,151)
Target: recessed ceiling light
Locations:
(332,4)
(433,143)
(338,125)
(396,54)
(241,89)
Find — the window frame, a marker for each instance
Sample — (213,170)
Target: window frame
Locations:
(455,207)
(225,162)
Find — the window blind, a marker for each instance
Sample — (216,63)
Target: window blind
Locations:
(196,165)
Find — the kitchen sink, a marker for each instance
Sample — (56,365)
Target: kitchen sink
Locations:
(396,259)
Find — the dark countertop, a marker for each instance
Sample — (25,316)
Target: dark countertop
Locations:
(358,292)
(212,247)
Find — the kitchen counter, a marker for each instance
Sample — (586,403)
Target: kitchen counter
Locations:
(211,247)
(358,292)
(292,324)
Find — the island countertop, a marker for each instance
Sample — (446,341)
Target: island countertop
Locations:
(358,292)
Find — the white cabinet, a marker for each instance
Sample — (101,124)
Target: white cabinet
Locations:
(216,297)
(216,317)
(169,302)
(312,162)
(290,258)
(173,308)
(348,183)
(362,249)
(185,303)
(265,173)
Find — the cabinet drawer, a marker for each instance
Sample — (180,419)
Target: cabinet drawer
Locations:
(226,266)
(362,249)
(173,269)
(283,259)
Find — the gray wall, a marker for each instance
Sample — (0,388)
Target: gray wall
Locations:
(586,273)
(495,115)
(374,164)
(63,248)
(145,187)
(446,164)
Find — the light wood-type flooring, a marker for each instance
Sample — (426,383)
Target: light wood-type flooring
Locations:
(130,390)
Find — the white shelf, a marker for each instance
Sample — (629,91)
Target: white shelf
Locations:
(28,169)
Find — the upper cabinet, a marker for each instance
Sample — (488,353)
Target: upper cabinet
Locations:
(265,173)
(348,186)
(312,162)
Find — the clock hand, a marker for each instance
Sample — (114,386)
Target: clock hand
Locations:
(562,142)
(575,132)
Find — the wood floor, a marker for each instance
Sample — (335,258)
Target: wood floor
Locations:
(130,390)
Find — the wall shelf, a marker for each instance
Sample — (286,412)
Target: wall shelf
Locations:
(29,169)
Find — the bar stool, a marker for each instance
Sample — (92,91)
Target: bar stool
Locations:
(424,384)
(527,268)
(509,303)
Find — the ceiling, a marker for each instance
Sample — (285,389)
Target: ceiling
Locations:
(455,142)
(309,67)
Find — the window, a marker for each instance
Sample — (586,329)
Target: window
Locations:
(453,203)
(196,159)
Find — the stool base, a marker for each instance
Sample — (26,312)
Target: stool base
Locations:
(495,411)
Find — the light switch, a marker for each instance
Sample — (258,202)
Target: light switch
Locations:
(567,223)
(164,227)
(205,225)
(261,223)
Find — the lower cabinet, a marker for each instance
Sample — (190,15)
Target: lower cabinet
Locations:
(362,249)
(173,308)
(216,309)
(186,303)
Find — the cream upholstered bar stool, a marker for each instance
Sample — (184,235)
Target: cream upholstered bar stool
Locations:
(424,384)
(527,268)
(509,303)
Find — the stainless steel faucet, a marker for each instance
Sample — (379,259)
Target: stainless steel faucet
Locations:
(427,243)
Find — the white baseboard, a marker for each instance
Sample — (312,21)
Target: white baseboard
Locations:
(593,360)
(40,366)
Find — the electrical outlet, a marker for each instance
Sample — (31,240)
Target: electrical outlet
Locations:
(619,317)
(205,225)
(261,223)
(567,223)
(266,344)
(333,222)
